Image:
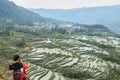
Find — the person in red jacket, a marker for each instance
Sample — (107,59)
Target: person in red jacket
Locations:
(18,67)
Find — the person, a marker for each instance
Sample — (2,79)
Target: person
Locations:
(18,67)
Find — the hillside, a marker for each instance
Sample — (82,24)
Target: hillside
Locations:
(57,50)
(107,15)
(11,14)
(17,18)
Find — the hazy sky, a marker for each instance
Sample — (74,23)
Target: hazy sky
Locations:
(64,4)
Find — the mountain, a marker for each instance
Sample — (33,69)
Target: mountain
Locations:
(20,19)
(11,14)
(107,15)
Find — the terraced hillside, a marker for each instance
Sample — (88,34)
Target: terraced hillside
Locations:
(74,58)
(57,50)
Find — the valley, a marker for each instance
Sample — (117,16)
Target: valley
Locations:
(57,50)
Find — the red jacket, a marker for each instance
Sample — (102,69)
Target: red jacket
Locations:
(25,66)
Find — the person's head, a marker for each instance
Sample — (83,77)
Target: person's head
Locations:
(16,57)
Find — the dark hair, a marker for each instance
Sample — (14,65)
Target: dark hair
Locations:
(16,57)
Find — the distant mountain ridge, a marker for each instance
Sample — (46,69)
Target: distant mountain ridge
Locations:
(13,17)
(107,15)
(10,13)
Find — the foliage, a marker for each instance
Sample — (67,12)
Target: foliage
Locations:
(113,75)
(78,75)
